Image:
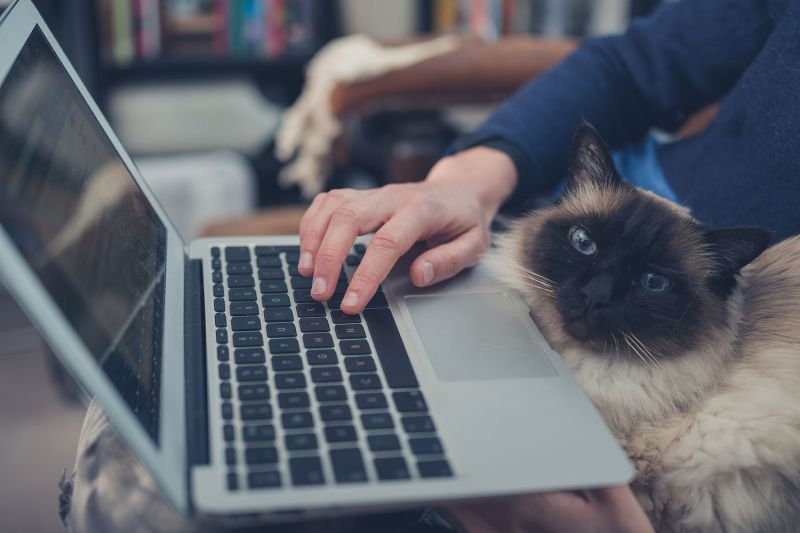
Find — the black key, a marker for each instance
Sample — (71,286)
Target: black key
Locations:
(389,347)
(383,443)
(330,374)
(233,481)
(365,381)
(283,363)
(332,413)
(230,456)
(264,480)
(246,323)
(269,250)
(350,331)
(438,468)
(259,432)
(239,268)
(348,466)
(251,373)
(257,411)
(426,446)
(312,309)
(359,248)
(418,424)
(335,302)
(242,295)
(302,296)
(297,420)
(392,468)
(268,261)
(216,276)
(244,339)
(257,391)
(222,336)
(240,280)
(354,347)
(243,308)
(353,260)
(278,314)
(225,391)
(222,353)
(340,434)
(293,270)
(340,318)
(270,273)
(302,441)
(410,402)
(224,371)
(377,421)
(215,251)
(227,410)
(359,364)
(245,356)
(314,325)
(219,305)
(371,400)
(378,301)
(292,256)
(279,346)
(341,287)
(228,433)
(275,300)
(321,357)
(274,286)
(237,253)
(216,264)
(306,471)
(261,456)
(281,329)
(219,290)
(299,282)
(293,400)
(330,393)
(317,340)
(295,380)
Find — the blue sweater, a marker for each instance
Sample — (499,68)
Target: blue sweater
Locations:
(744,169)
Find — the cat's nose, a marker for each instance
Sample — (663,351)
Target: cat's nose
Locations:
(597,292)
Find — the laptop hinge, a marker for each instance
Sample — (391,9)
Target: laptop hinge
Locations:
(195,365)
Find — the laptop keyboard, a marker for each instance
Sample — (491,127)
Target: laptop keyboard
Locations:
(309,395)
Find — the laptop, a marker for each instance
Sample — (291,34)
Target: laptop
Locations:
(239,393)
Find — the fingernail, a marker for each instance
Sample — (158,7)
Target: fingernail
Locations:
(318,286)
(427,273)
(350,299)
(306,261)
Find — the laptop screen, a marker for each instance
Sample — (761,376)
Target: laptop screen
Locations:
(82,223)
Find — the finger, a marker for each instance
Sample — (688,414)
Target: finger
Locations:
(315,225)
(448,259)
(306,263)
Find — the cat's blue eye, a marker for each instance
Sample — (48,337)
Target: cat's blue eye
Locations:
(655,282)
(581,241)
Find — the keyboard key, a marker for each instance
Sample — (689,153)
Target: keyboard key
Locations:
(259,432)
(438,468)
(418,424)
(264,480)
(297,420)
(275,300)
(334,413)
(312,309)
(268,261)
(246,323)
(365,381)
(410,402)
(218,290)
(330,393)
(306,471)
(258,391)
(299,282)
(216,276)
(227,410)
(354,347)
(274,286)
(251,373)
(242,295)
(359,364)
(377,421)
(274,250)
(293,269)
(303,441)
(341,287)
(216,264)
(426,446)
(302,296)
(321,357)
(371,400)
(284,363)
(260,411)
(222,336)
(233,481)
(314,325)
(389,347)
(224,371)
(230,456)
(239,268)
(278,314)
(243,308)
(317,340)
(281,329)
(260,456)
(280,346)
(222,353)
(225,391)
(293,400)
(340,318)
(329,374)
(340,434)
(240,280)
(348,466)
(353,260)
(392,468)
(228,433)
(377,302)
(219,304)
(359,248)
(244,339)
(293,256)
(335,301)
(237,253)
(245,356)
(215,251)
(295,380)
(383,443)
(350,331)
(270,273)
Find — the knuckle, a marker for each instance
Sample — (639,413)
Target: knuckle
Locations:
(366,277)
(450,262)
(310,233)
(386,241)
(327,256)
(340,194)
(345,214)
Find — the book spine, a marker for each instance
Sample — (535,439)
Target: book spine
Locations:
(123,48)
(220,41)
(276,34)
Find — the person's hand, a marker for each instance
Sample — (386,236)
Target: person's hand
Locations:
(451,210)
(613,510)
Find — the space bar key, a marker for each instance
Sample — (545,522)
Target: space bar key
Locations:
(391,351)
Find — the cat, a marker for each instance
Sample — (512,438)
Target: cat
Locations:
(686,339)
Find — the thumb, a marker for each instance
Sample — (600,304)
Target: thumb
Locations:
(446,260)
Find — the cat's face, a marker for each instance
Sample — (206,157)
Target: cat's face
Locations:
(614,269)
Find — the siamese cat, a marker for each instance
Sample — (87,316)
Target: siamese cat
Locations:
(685,337)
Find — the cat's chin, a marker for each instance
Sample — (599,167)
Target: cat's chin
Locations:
(581,334)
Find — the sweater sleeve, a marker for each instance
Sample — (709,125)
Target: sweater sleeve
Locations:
(686,55)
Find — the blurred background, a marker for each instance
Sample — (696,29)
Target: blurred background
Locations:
(197,90)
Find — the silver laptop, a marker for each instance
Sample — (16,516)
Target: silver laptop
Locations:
(237,391)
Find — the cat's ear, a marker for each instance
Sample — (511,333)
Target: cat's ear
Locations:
(736,247)
(590,159)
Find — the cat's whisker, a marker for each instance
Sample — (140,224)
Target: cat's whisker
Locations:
(634,349)
(646,351)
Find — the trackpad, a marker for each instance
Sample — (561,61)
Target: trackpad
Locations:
(472,337)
